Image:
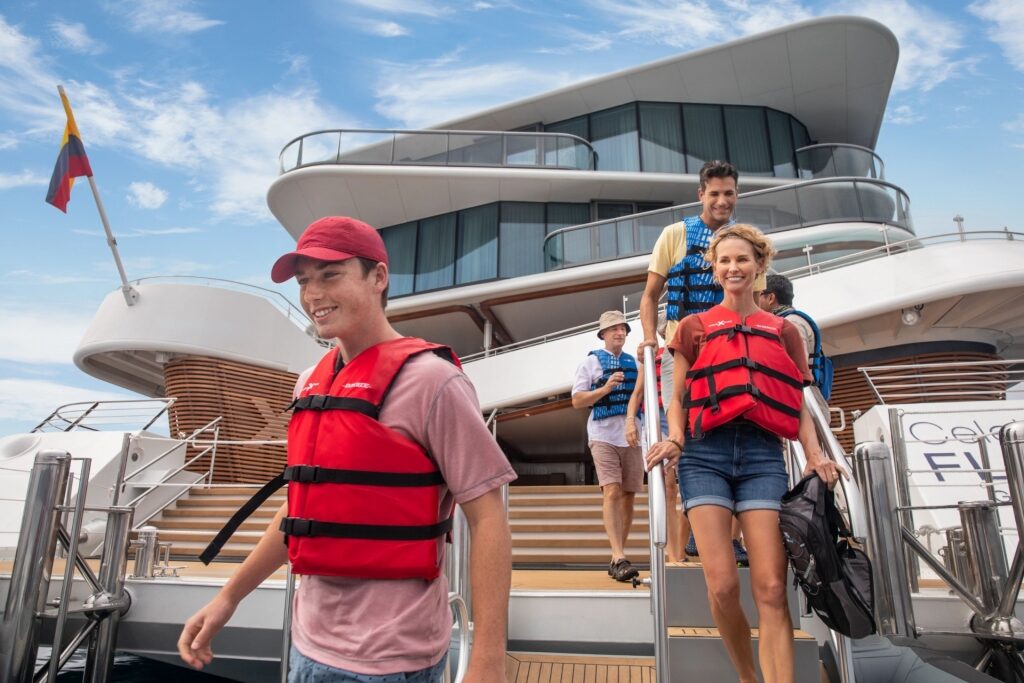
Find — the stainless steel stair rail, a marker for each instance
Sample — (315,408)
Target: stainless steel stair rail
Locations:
(112,601)
(286,633)
(1011,438)
(33,563)
(462,619)
(894,611)
(657,519)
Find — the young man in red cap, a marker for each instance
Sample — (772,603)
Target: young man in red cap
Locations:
(373,603)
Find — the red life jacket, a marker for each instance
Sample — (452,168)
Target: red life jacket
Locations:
(363,500)
(743,372)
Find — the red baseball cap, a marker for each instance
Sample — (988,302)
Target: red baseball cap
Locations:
(333,238)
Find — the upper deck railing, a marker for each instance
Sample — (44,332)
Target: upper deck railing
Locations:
(439,148)
(835,160)
(801,205)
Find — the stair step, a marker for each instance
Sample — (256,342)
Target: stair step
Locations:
(559,525)
(688,604)
(226,502)
(569,500)
(545,541)
(214,523)
(697,653)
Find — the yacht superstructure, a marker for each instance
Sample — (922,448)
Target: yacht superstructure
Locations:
(509,231)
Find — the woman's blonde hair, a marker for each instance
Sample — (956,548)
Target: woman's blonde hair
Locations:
(763,248)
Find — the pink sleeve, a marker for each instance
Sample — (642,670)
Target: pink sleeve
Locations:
(463,447)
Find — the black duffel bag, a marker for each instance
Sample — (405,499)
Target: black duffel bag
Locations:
(833,572)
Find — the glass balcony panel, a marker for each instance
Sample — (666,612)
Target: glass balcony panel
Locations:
(578,247)
(421,148)
(771,212)
(850,161)
(366,147)
(625,235)
(816,162)
(828,203)
(904,213)
(780,135)
(524,150)
(557,151)
(607,241)
(879,203)
(290,156)
(320,148)
(475,149)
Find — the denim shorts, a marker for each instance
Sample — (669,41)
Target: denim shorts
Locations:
(736,466)
(302,669)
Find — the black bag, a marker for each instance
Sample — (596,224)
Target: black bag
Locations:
(833,573)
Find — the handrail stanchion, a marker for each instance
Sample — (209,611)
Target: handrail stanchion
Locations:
(33,562)
(893,608)
(74,533)
(902,490)
(286,634)
(111,601)
(1011,436)
(656,511)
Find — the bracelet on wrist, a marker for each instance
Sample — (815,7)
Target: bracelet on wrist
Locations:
(676,444)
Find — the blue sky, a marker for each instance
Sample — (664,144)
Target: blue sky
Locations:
(184,106)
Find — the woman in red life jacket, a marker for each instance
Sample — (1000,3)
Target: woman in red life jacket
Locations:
(737,391)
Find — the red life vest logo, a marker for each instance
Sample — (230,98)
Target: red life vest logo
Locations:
(357,385)
(309,387)
(718,323)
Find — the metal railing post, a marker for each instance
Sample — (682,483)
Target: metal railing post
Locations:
(33,563)
(899,475)
(286,633)
(986,556)
(99,664)
(894,611)
(657,520)
(1011,438)
(457,560)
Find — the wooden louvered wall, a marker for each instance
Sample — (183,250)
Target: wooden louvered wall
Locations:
(851,391)
(251,400)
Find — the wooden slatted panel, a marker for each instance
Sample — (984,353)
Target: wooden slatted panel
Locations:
(252,401)
(851,391)
(529,667)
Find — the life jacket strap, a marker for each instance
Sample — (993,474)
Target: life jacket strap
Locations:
(314,474)
(327,402)
(242,514)
(295,526)
(736,390)
(744,362)
(730,332)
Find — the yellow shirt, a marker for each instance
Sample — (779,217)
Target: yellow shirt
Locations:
(670,250)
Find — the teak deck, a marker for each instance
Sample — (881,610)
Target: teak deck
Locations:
(529,667)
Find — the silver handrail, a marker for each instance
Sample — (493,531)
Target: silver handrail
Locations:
(462,619)
(78,420)
(657,520)
(388,146)
(673,214)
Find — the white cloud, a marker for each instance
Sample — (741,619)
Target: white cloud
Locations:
(574,41)
(23,179)
(49,336)
(903,115)
(1007,19)
(141,232)
(146,195)
(36,398)
(929,42)
(385,29)
(426,93)
(1016,125)
(425,8)
(161,16)
(49,278)
(75,37)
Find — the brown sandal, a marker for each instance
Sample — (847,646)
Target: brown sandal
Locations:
(622,570)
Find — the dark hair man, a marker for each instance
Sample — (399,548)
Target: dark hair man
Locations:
(371,558)
(777,298)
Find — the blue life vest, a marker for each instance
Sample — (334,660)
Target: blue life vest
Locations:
(820,364)
(615,402)
(690,286)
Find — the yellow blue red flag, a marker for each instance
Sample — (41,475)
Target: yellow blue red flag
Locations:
(71,162)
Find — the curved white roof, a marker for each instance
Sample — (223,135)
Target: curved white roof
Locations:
(832,73)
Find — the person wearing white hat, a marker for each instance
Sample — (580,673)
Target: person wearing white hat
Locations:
(604,382)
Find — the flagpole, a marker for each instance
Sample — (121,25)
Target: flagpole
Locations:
(131,296)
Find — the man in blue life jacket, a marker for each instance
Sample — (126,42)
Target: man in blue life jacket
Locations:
(604,382)
(677,262)
(777,298)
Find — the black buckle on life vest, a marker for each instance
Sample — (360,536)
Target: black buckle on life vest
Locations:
(317,401)
(296,526)
(303,474)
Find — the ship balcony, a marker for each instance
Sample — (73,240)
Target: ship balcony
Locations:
(775,210)
(837,160)
(439,148)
